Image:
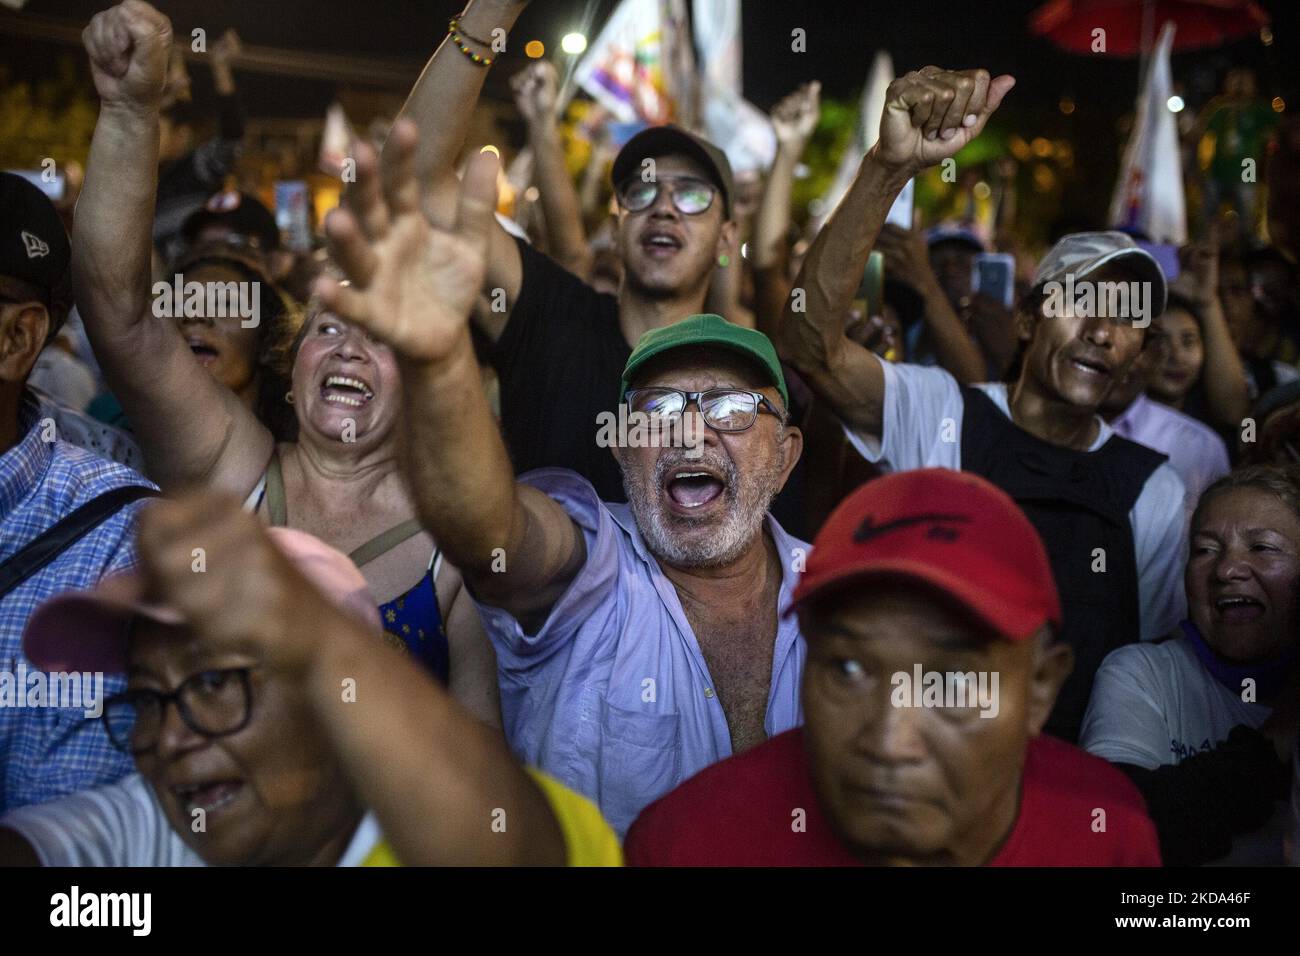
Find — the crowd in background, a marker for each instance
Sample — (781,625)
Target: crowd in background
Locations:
(363,579)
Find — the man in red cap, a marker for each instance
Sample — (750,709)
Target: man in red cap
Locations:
(931,616)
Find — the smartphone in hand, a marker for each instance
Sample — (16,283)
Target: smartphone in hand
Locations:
(994,274)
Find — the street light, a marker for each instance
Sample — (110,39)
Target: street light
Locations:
(573,43)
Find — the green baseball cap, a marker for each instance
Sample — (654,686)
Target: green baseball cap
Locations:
(712,330)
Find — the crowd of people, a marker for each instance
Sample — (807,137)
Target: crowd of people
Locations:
(348,569)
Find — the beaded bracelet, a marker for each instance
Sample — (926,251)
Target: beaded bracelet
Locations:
(458,37)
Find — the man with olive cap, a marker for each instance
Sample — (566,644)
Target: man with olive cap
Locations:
(933,661)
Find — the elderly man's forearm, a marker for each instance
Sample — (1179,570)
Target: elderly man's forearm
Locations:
(457,463)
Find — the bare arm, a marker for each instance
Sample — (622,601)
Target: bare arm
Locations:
(907,259)
(413,286)
(794,120)
(536,90)
(441,105)
(436,777)
(1224,375)
(929,115)
(474,671)
(190,428)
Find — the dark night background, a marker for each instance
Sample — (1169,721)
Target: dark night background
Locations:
(841,39)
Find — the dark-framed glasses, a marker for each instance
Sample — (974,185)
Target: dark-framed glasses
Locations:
(212,703)
(724,409)
(690,196)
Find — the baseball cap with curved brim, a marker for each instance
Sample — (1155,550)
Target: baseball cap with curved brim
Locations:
(950,530)
(87,631)
(665,141)
(1082,253)
(707,330)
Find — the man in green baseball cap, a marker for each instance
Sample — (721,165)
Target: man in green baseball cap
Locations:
(639,642)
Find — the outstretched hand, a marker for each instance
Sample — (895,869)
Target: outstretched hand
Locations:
(411,284)
(931,113)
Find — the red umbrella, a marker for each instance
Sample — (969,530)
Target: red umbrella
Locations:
(1132,25)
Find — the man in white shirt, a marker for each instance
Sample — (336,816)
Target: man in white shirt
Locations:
(1109,510)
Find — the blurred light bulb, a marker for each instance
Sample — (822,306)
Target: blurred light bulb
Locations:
(573,43)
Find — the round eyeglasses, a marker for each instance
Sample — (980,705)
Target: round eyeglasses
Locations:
(690,196)
(211,703)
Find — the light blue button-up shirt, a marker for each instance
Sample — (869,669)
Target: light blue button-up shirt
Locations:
(612,695)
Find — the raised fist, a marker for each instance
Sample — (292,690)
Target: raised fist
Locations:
(930,114)
(129,47)
(536,89)
(795,117)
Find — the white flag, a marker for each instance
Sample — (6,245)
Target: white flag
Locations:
(336,140)
(865,135)
(740,128)
(1149,191)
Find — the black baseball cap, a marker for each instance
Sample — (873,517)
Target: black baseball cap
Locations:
(34,245)
(240,213)
(666,140)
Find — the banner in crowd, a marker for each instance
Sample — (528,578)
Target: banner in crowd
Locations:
(634,68)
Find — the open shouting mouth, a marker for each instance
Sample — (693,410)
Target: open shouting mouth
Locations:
(691,489)
(346,391)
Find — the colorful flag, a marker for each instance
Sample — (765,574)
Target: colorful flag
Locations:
(635,63)
(1149,192)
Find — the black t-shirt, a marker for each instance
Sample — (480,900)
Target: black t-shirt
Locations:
(560,359)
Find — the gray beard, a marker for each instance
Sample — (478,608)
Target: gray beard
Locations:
(747,502)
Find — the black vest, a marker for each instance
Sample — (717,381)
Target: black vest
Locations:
(1079,501)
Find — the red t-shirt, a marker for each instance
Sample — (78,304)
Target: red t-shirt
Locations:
(741,812)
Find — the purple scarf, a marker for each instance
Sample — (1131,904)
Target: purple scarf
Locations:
(1270,676)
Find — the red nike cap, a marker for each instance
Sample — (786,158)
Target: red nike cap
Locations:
(950,529)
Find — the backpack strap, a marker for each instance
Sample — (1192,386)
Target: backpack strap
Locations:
(66,532)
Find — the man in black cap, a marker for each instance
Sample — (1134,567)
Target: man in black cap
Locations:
(65,517)
(559,345)
(237,220)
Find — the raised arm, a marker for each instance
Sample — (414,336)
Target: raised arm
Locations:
(1224,375)
(793,119)
(536,89)
(182,417)
(929,115)
(441,104)
(413,286)
(907,259)
(437,778)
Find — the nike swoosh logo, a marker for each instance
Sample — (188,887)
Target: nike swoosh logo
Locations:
(866,531)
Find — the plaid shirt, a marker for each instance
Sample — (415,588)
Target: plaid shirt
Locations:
(47,752)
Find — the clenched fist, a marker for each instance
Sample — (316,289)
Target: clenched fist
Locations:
(536,90)
(129,47)
(239,591)
(795,117)
(932,113)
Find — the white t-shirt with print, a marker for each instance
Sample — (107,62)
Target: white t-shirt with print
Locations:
(123,824)
(1154,705)
(923,407)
